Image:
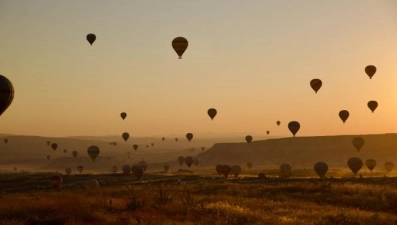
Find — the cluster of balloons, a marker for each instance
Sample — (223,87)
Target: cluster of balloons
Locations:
(225,170)
(189,160)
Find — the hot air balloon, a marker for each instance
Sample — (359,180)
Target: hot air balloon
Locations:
(236,170)
(65,150)
(114,169)
(143,164)
(111,143)
(152,144)
(294,127)
(68,171)
(166,167)
(355,164)
(321,169)
(196,161)
(126,169)
(135,147)
(316,84)
(125,136)
(137,171)
(218,169)
(180,45)
(181,160)
(48,157)
(189,136)
(212,113)
(344,115)
(372,105)
(56,181)
(261,176)
(6,140)
(358,143)
(93,152)
(389,166)
(176,139)
(114,143)
(249,165)
(370,71)
(285,170)
(123,115)
(248,138)
(278,123)
(225,170)
(74,153)
(202,149)
(267,132)
(6,94)
(54,146)
(163,138)
(189,161)
(91,38)
(147,146)
(80,169)
(48,143)
(370,163)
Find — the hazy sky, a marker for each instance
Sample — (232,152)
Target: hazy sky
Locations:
(251,60)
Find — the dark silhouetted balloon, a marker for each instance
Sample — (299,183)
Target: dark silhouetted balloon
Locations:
(316,84)
(189,161)
(6,94)
(344,115)
(389,166)
(68,171)
(236,170)
(93,152)
(176,139)
(189,136)
(74,153)
(294,127)
(80,169)
(56,181)
(212,113)
(355,164)
(261,176)
(285,170)
(125,136)
(48,143)
(137,170)
(54,146)
(202,149)
(143,164)
(166,167)
(126,169)
(114,169)
(180,45)
(358,143)
(6,140)
(370,163)
(278,123)
(321,169)
(249,165)
(267,132)
(181,160)
(218,169)
(135,147)
(196,161)
(48,157)
(370,71)
(152,144)
(248,138)
(123,115)
(91,38)
(163,138)
(65,150)
(114,143)
(372,105)
(225,170)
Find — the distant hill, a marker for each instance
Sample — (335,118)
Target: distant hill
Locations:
(303,151)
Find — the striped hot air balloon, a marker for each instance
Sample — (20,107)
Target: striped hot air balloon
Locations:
(93,152)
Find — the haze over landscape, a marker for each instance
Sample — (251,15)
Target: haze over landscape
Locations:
(198,112)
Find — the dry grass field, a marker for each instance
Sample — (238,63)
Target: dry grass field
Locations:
(194,199)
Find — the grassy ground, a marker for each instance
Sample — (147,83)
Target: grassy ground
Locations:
(221,201)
